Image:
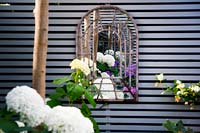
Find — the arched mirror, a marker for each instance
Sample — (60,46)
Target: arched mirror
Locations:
(108,37)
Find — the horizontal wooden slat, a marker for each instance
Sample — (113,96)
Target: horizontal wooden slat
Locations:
(169,64)
(87,7)
(80,14)
(54,56)
(72,28)
(142,43)
(72,21)
(141,64)
(142,50)
(146,114)
(72,36)
(141,70)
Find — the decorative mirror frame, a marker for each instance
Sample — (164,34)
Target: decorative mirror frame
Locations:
(85,42)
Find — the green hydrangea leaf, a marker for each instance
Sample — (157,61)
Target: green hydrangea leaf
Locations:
(62,80)
(60,90)
(8,126)
(53,102)
(95,125)
(90,99)
(85,110)
(76,93)
(56,95)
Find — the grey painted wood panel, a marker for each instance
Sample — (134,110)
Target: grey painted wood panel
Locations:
(72,28)
(80,14)
(87,7)
(73,21)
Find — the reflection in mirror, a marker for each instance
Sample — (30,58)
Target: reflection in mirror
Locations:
(108,36)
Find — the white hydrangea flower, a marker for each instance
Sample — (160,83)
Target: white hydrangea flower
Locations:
(68,120)
(100,57)
(110,52)
(78,64)
(27,102)
(195,88)
(109,59)
(90,63)
(117,54)
(178,82)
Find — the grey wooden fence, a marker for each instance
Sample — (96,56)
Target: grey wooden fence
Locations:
(169,32)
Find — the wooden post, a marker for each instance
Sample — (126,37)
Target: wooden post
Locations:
(40,46)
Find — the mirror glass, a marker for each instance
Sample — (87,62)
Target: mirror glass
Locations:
(108,37)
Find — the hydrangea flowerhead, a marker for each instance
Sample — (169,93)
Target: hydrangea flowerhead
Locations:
(27,102)
(117,54)
(90,63)
(110,52)
(78,64)
(68,120)
(109,59)
(100,57)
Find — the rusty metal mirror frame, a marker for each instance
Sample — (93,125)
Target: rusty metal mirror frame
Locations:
(80,36)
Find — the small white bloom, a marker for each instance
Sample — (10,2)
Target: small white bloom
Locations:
(100,57)
(195,88)
(117,54)
(160,77)
(178,82)
(180,86)
(178,93)
(109,59)
(110,52)
(90,63)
